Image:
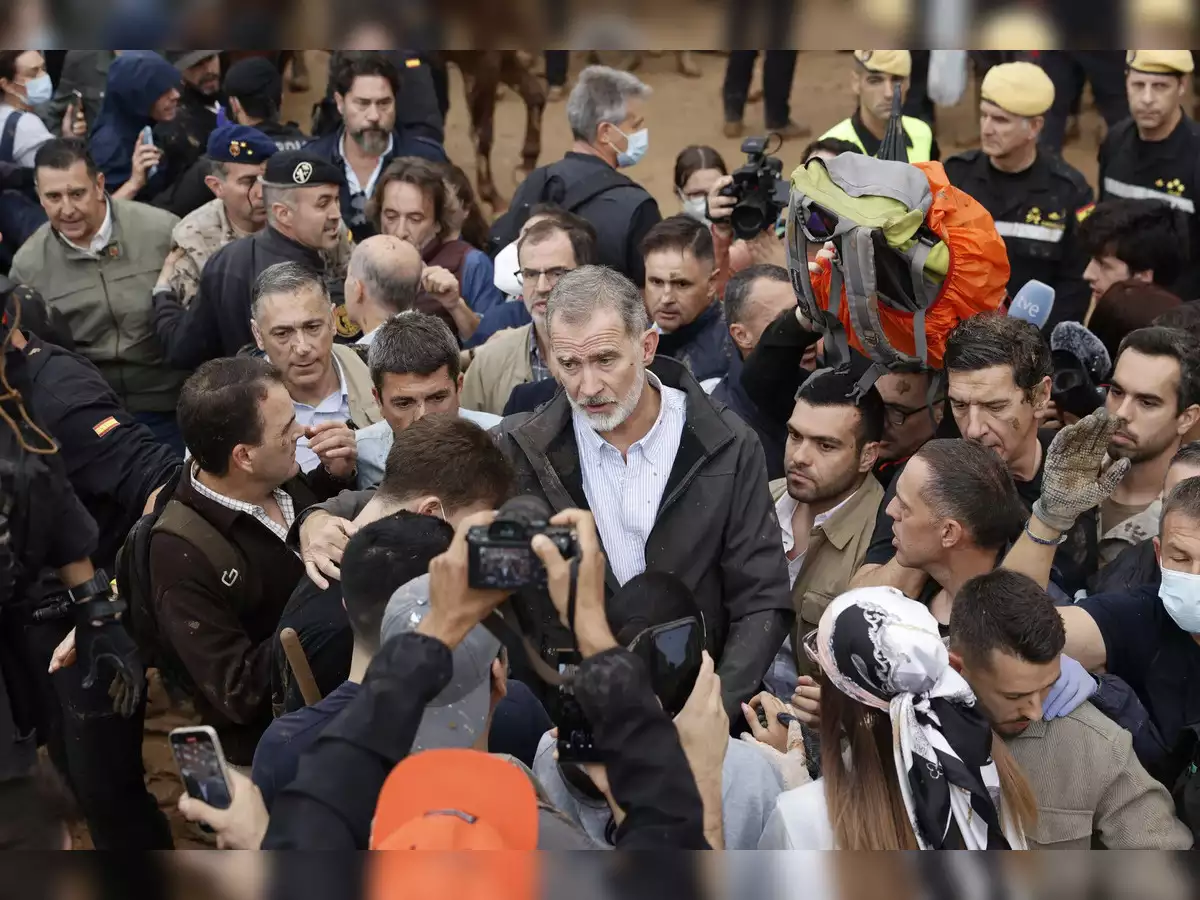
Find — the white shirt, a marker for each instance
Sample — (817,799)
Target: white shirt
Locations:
(101,238)
(282,498)
(781,677)
(334,408)
(367,339)
(375,441)
(29,136)
(352,179)
(800,820)
(624,494)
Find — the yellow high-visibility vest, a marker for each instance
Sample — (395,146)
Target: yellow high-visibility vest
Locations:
(918,132)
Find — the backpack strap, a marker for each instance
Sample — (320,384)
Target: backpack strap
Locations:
(183,522)
(8,136)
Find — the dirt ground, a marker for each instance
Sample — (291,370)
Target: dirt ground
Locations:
(682,111)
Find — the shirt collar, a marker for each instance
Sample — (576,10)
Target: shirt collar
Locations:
(101,238)
(785,508)
(351,178)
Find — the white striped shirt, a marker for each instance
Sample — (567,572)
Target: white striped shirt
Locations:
(624,494)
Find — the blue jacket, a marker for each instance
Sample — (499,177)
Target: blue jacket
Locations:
(136,79)
(404,143)
(509,314)
(704,345)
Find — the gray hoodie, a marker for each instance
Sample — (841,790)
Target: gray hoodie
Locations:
(748,792)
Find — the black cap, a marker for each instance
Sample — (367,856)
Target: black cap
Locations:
(302,168)
(254,77)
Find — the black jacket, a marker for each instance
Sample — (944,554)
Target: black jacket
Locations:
(217,323)
(716,528)
(1037,213)
(330,804)
(771,374)
(771,434)
(621,215)
(704,346)
(114,463)
(286,135)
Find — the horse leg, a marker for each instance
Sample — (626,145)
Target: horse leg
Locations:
(533,92)
(482,100)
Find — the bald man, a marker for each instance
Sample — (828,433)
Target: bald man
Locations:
(383,279)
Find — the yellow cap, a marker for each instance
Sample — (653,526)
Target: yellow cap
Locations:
(1160,62)
(889,62)
(1022,27)
(1020,88)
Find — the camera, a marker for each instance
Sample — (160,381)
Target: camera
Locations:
(499,555)
(759,188)
(576,743)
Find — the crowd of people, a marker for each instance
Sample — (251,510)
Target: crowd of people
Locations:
(575,531)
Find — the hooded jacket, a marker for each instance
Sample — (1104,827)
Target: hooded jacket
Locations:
(136,79)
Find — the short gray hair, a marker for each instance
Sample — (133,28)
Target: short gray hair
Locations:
(601,95)
(276,193)
(284,278)
(384,281)
(583,291)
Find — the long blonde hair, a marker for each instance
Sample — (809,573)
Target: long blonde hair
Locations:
(866,809)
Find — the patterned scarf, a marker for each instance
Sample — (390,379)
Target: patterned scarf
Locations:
(882,649)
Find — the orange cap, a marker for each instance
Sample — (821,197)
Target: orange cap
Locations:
(455,800)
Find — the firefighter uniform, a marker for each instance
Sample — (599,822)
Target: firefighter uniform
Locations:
(1166,170)
(1037,210)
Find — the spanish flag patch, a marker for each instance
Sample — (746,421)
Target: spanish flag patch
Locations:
(104,427)
(411,63)
(1084,211)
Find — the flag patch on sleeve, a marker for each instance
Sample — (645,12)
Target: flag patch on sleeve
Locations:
(104,427)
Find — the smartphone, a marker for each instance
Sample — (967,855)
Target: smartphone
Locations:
(148,136)
(576,744)
(202,765)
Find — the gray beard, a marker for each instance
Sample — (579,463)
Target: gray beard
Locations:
(373,142)
(615,419)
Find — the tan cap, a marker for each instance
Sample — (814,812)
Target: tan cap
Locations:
(1020,88)
(1160,62)
(1021,27)
(889,62)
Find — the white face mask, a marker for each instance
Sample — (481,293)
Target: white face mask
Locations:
(696,208)
(1180,595)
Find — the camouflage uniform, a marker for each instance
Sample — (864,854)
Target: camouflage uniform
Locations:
(205,231)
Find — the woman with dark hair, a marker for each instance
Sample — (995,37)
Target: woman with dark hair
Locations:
(908,759)
(697,168)
(466,218)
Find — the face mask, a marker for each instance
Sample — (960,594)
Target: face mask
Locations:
(39,90)
(638,144)
(696,208)
(1180,594)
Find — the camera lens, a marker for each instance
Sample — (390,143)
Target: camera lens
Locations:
(525,509)
(748,218)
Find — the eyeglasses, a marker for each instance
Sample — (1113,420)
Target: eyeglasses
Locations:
(898,415)
(533,276)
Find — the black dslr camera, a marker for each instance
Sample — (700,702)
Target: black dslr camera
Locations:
(499,555)
(760,189)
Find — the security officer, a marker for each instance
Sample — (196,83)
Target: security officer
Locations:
(234,161)
(1155,154)
(91,721)
(1034,197)
(304,224)
(876,75)
(255,91)
(183,138)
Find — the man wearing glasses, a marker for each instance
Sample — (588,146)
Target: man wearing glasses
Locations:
(546,252)
(910,419)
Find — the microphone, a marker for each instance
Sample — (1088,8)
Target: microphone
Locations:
(1033,303)
(1073,338)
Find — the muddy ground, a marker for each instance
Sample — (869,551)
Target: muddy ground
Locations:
(682,111)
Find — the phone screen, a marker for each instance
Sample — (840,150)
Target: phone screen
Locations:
(200,767)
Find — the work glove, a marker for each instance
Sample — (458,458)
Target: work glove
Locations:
(1073,477)
(1075,686)
(101,640)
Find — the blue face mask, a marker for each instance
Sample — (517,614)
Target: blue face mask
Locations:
(39,90)
(1180,595)
(636,146)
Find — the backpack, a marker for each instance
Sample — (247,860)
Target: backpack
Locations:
(544,186)
(133,571)
(8,136)
(914,257)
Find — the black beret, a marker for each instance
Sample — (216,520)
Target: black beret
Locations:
(254,77)
(302,168)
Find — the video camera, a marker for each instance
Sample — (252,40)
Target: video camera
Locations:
(760,189)
(499,555)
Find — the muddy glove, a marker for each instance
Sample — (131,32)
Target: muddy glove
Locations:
(101,638)
(1073,477)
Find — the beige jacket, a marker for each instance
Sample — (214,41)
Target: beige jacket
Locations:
(499,366)
(835,551)
(364,410)
(1091,790)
